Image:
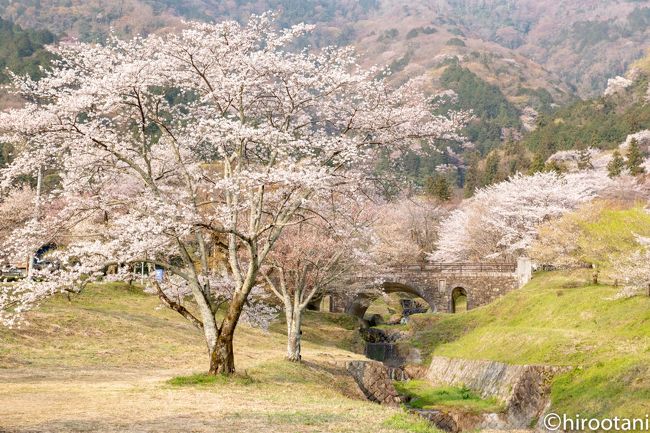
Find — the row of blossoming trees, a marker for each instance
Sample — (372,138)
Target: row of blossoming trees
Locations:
(221,139)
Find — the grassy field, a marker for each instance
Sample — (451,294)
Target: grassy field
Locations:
(558,319)
(425,396)
(113,360)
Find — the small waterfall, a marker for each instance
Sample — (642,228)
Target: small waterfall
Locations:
(381,351)
(382,346)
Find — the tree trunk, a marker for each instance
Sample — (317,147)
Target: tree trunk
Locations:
(294,335)
(222,356)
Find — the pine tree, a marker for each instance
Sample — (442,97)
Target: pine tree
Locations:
(538,164)
(471,176)
(634,158)
(616,165)
(438,186)
(584,160)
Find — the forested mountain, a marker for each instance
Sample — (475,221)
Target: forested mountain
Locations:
(21,50)
(582,42)
(519,65)
(582,128)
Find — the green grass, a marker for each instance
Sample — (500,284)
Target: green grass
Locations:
(388,307)
(424,396)
(461,304)
(204,379)
(410,423)
(558,319)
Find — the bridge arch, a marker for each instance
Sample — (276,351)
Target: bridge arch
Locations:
(458,299)
(362,300)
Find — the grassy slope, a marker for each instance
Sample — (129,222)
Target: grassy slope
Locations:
(551,321)
(115,325)
(104,361)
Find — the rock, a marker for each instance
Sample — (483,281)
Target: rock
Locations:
(442,420)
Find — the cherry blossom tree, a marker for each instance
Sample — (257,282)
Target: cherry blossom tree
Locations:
(634,271)
(16,209)
(404,230)
(501,220)
(189,146)
(617,85)
(319,256)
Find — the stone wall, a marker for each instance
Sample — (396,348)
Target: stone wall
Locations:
(481,289)
(524,389)
(373,380)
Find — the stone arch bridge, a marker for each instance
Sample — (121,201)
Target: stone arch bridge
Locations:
(438,284)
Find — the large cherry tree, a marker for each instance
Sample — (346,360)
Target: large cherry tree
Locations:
(178,149)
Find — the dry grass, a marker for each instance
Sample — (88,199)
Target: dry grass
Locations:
(103,362)
(113,400)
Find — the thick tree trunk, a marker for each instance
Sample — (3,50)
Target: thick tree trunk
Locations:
(222,356)
(294,335)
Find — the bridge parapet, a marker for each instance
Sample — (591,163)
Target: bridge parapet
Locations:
(439,283)
(425,270)
(457,267)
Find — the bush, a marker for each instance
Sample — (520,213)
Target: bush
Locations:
(456,42)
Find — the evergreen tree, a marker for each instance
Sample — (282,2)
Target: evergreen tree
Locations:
(491,174)
(634,158)
(616,165)
(438,186)
(538,164)
(516,157)
(584,160)
(471,176)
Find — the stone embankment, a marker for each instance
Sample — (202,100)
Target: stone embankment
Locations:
(374,381)
(523,389)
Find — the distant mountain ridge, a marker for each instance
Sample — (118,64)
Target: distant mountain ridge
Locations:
(564,46)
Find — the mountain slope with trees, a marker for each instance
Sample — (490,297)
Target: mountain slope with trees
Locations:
(22,50)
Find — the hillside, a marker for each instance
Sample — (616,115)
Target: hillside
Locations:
(601,122)
(558,319)
(113,360)
(413,44)
(584,42)
(540,44)
(114,350)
